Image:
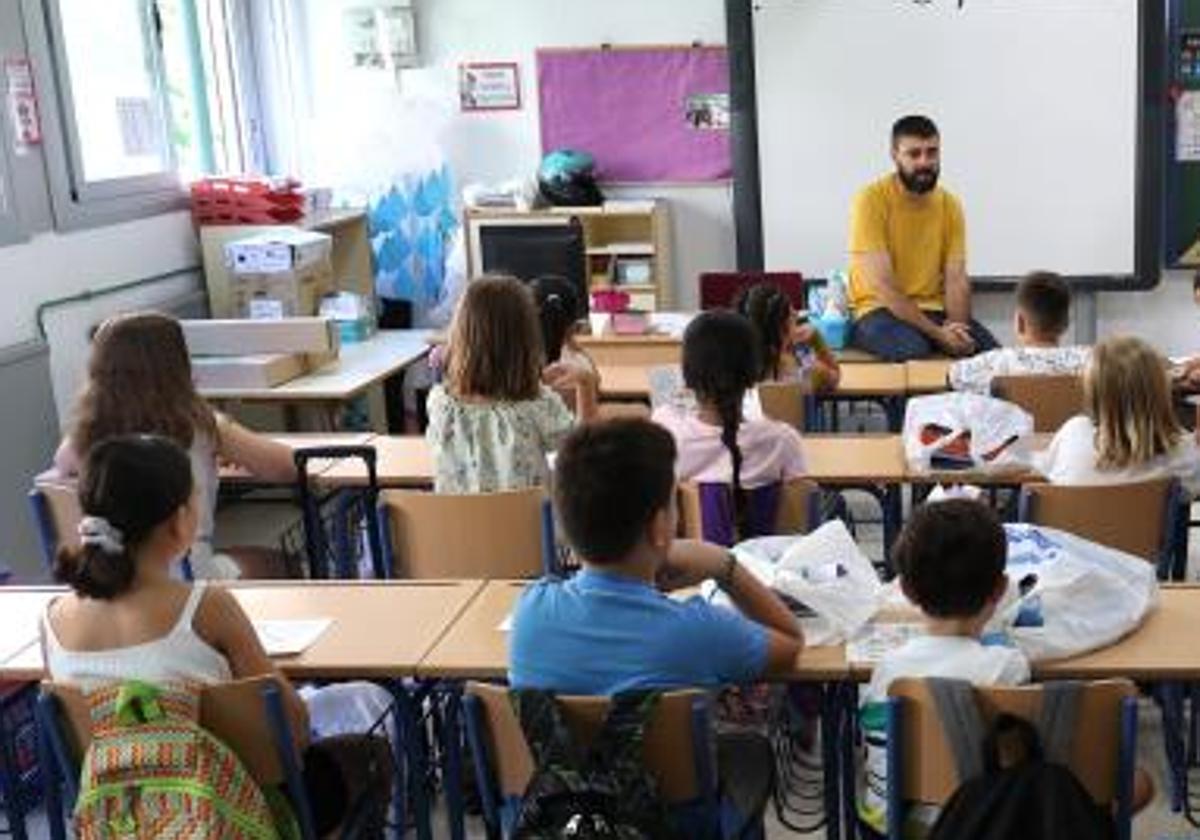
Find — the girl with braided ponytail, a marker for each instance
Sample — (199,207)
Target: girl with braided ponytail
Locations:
(717,442)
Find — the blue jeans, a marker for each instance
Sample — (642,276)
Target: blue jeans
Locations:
(883,334)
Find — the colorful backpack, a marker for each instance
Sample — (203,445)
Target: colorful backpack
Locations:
(152,771)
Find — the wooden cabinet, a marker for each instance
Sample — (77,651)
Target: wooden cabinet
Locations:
(626,244)
(353,269)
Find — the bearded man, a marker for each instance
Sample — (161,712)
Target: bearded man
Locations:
(909,292)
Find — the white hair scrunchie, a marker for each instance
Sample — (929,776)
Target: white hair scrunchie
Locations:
(98,531)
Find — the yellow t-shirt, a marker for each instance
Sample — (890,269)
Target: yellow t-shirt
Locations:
(920,233)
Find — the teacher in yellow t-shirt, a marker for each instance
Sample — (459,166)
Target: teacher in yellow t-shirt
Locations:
(909,292)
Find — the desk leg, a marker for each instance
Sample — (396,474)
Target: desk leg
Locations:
(408,721)
(1170,696)
(451,704)
(831,712)
(849,695)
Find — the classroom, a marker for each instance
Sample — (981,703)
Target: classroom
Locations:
(600,418)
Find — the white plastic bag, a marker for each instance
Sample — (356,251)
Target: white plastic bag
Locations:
(826,572)
(999,431)
(1067,595)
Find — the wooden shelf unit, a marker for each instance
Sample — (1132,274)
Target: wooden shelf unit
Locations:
(616,233)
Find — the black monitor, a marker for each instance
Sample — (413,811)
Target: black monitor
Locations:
(529,251)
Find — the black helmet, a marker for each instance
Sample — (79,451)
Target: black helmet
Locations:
(567,178)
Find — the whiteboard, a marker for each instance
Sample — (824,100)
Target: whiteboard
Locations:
(1036,101)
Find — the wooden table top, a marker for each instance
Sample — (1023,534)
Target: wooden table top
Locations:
(236,475)
(380,628)
(402,461)
(927,376)
(850,459)
(629,380)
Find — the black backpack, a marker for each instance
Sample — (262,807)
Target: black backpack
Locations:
(604,794)
(1037,798)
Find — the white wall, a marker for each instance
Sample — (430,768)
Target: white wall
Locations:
(53,265)
(424,123)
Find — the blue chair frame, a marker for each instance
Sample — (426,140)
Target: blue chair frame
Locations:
(1126,747)
(61,767)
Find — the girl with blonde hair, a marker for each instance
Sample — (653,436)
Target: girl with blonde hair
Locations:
(1129,431)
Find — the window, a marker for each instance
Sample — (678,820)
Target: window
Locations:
(150,95)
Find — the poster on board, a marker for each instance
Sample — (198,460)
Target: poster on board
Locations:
(489,86)
(646,114)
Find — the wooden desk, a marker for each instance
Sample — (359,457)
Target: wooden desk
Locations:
(475,648)
(403,461)
(871,380)
(232,474)
(854,459)
(1038,441)
(624,381)
(927,376)
(380,628)
(633,350)
(358,367)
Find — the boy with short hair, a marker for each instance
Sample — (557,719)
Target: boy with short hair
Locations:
(1041,317)
(611,628)
(951,557)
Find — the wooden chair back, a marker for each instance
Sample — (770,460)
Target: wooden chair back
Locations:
(670,739)
(1052,400)
(783,401)
(234,712)
(929,771)
(720,289)
(469,535)
(1130,517)
(796,502)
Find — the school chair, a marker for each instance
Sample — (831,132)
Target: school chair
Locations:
(787,402)
(470,535)
(921,764)
(719,289)
(784,507)
(1052,400)
(678,753)
(246,715)
(1142,518)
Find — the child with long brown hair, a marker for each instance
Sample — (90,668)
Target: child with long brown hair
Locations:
(140,382)
(1130,431)
(789,350)
(715,442)
(496,415)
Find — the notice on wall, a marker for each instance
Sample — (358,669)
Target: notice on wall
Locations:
(1187,127)
(494,86)
(22,104)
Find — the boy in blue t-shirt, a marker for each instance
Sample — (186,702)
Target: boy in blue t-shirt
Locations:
(611,628)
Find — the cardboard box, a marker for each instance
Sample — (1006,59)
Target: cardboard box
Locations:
(239,337)
(264,370)
(282,294)
(283,249)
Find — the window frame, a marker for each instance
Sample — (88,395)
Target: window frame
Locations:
(75,203)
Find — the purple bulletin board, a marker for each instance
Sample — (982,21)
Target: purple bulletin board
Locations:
(645,113)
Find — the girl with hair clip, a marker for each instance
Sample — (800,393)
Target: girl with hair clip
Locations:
(496,414)
(789,350)
(140,382)
(716,442)
(1129,431)
(126,618)
(558,306)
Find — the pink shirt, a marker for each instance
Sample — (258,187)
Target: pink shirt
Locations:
(771,451)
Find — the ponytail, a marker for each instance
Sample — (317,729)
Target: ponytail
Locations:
(130,485)
(558,304)
(730,411)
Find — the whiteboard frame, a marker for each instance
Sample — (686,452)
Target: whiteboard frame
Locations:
(1153,106)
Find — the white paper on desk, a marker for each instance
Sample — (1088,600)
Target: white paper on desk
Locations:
(288,637)
(14,645)
(505,626)
(876,639)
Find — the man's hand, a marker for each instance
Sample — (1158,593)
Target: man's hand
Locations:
(690,563)
(955,338)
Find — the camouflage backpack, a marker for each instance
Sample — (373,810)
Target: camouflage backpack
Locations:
(605,794)
(152,771)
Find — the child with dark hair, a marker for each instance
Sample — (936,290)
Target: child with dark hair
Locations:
(557,303)
(716,442)
(611,628)
(1040,319)
(789,350)
(951,557)
(127,618)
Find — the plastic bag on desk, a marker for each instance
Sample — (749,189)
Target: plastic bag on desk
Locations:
(1067,595)
(966,431)
(830,583)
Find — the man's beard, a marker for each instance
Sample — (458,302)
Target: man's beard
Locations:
(919,181)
